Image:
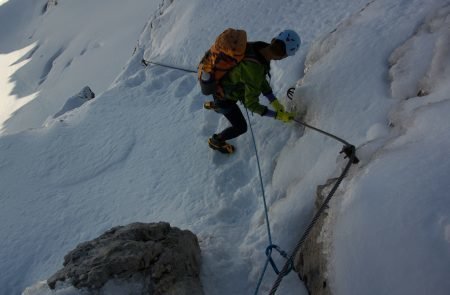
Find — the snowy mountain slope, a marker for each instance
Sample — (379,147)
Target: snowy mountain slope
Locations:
(72,45)
(403,190)
(138,153)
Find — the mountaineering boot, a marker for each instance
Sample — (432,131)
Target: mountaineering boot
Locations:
(209,105)
(220,145)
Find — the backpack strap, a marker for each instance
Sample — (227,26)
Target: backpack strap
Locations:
(252,59)
(252,54)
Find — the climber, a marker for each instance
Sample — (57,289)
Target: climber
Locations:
(244,82)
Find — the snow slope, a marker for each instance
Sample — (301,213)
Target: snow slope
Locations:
(138,151)
(73,45)
(395,214)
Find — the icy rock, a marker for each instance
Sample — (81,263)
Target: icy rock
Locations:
(166,259)
(312,259)
(76,101)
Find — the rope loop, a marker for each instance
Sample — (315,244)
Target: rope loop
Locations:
(282,254)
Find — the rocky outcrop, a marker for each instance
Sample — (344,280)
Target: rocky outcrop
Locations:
(76,101)
(49,4)
(312,260)
(166,260)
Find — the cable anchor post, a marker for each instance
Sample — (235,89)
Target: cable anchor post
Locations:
(350,152)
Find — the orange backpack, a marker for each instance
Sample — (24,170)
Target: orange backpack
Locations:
(226,52)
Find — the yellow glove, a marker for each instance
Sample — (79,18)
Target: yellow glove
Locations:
(277,106)
(285,116)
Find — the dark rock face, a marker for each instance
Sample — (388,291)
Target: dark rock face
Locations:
(76,101)
(311,262)
(166,259)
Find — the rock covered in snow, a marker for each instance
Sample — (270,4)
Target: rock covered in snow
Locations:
(76,101)
(419,65)
(165,259)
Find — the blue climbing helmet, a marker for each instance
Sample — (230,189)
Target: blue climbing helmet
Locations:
(291,40)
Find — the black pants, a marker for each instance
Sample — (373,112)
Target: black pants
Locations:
(233,113)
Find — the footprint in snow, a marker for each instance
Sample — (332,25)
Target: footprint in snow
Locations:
(185,86)
(172,75)
(210,122)
(136,79)
(154,85)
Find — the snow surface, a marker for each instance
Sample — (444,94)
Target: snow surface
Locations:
(137,152)
(71,46)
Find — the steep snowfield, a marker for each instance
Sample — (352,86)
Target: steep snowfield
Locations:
(394,220)
(73,45)
(138,151)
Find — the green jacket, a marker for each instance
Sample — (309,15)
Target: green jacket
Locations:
(247,80)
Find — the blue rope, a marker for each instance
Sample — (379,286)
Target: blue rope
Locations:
(264,201)
(262,276)
(260,179)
